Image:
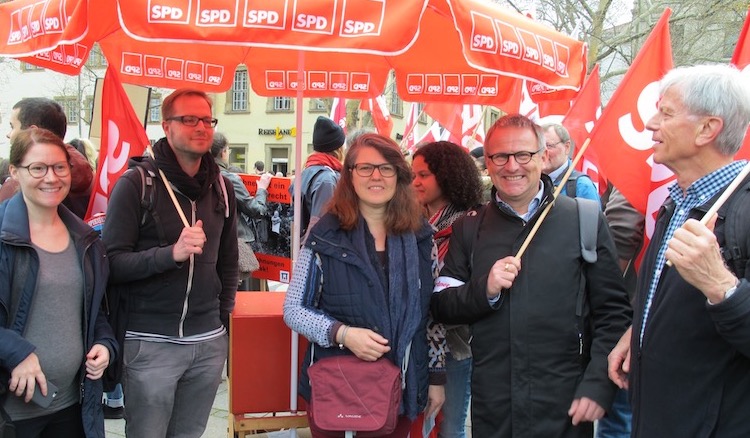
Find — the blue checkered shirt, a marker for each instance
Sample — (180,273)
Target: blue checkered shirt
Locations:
(700,192)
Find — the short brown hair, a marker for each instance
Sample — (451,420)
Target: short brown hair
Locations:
(28,138)
(403,212)
(167,106)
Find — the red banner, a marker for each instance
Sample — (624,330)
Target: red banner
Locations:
(741,59)
(123,136)
(620,138)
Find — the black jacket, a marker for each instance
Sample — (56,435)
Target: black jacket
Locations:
(162,296)
(20,259)
(691,375)
(546,342)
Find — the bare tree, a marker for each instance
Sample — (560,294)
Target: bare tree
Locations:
(701,30)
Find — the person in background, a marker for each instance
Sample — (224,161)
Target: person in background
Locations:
(41,112)
(259,167)
(321,172)
(248,207)
(4,170)
(627,227)
(53,276)
(373,234)
(447,184)
(176,284)
(557,161)
(86,148)
(477,154)
(686,358)
(542,324)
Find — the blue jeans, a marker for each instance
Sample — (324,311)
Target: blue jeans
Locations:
(170,388)
(457,395)
(114,398)
(617,422)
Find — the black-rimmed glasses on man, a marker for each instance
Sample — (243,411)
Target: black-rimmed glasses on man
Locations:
(208,122)
(523,157)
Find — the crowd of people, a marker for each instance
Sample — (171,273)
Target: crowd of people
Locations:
(495,297)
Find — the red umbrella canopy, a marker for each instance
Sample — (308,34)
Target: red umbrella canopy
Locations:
(441,50)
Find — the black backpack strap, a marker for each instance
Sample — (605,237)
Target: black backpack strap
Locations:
(736,234)
(148,201)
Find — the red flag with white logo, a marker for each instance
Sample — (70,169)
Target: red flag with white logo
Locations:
(381,117)
(449,115)
(434,133)
(463,122)
(741,59)
(580,120)
(123,136)
(620,138)
(409,142)
(338,112)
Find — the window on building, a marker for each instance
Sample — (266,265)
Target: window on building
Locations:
(88,109)
(318,105)
(154,108)
(96,58)
(396,105)
(240,91)
(71,108)
(26,67)
(282,104)
(494,115)
(422,114)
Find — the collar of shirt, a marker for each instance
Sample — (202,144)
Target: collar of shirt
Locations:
(558,173)
(533,205)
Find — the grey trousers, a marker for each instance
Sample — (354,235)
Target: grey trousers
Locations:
(170,388)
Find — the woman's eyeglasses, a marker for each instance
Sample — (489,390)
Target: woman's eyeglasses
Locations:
(366,169)
(39,170)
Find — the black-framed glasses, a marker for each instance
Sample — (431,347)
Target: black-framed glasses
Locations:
(39,170)
(552,145)
(366,169)
(208,122)
(523,157)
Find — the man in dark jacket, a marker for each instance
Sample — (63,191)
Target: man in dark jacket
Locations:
(688,358)
(45,113)
(176,281)
(542,324)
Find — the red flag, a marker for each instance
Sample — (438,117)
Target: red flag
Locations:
(620,138)
(378,109)
(411,134)
(741,59)
(338,112)
(580,120)
(472,131)
(123,136)
(434,133)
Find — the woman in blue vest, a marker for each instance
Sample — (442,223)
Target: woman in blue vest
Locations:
(372,253)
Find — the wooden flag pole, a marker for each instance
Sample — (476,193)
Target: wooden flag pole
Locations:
(559,189)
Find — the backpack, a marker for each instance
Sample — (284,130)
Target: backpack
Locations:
(572,183)
(588,225)
(736,233)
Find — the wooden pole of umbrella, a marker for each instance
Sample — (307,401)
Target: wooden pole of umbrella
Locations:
(556,193)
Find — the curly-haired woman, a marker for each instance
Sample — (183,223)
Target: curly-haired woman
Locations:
(447,184)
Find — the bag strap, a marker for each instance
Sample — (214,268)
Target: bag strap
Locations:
(588,222)
(734,251)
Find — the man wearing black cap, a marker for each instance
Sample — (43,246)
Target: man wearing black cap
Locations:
(322,169)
